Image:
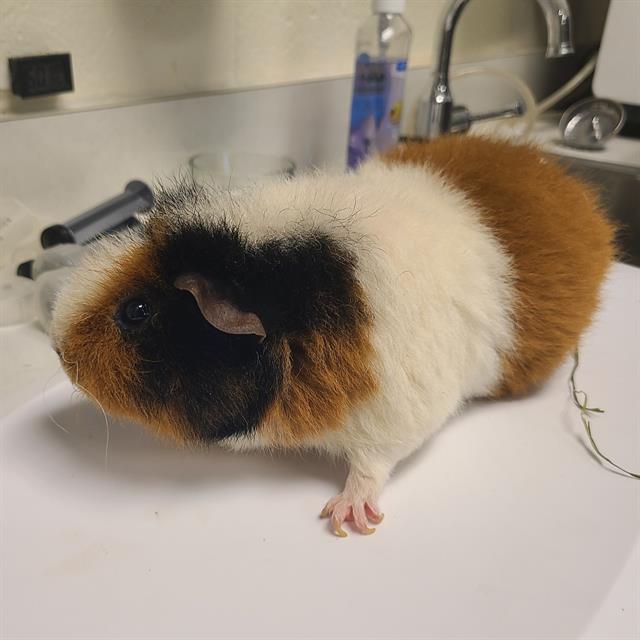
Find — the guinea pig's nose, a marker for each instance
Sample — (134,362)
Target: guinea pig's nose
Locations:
(56,349)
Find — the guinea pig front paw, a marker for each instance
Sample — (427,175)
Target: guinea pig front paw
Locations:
(359,511)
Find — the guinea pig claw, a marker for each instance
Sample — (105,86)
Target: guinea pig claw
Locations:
(330,507)
(365,531)
(337,529)
(373,514)
(359,513)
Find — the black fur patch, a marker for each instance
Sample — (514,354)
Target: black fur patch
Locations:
(224,384)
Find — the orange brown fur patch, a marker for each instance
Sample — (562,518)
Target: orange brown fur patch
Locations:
(99,361)
(550,224)
(325,375)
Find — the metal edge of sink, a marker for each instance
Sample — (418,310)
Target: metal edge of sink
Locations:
(619,189)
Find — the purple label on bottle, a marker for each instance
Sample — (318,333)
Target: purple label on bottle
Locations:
(376,107)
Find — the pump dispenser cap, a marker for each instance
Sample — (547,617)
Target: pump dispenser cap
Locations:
(389,6)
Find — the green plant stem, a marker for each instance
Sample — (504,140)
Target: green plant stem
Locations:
(580,400)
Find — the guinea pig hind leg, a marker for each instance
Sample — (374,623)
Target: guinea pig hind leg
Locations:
(358,501)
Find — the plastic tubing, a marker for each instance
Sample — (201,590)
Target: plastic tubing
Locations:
(567,88)
(521,87)
(533,110)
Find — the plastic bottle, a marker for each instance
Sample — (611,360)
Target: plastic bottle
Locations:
(382,50)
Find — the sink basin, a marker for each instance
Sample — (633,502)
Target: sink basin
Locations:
(619,187)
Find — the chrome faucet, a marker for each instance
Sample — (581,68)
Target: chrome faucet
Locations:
(441,115)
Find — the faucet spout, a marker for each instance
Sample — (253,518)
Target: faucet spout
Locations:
(438,117)
(557,15)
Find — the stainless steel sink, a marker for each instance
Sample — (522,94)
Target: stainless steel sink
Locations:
(619,188)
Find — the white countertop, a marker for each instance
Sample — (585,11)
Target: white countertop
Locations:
(503,526)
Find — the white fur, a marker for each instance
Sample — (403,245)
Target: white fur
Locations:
(92,275)
(439,284)
(436,278)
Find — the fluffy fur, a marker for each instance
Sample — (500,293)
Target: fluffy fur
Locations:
(560,242)
(447,283)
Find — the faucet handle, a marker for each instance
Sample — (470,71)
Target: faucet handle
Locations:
(462,118)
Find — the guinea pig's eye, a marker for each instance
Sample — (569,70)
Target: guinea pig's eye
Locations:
(133,313)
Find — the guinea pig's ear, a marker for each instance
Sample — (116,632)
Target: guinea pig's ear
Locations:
(216,310)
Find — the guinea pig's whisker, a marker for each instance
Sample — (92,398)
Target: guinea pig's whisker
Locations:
(58,424)
(75,395)
(63,358)
(44,392)
(106,422)
(45,387)
(104,413)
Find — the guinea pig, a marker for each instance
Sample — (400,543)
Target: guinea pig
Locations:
(350,313)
